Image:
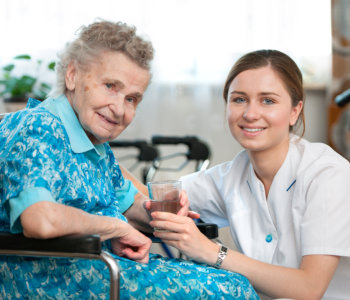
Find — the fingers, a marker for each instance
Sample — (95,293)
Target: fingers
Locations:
(158,215)
(139,250)
(171,222)
(184,204)
(133,245)
(193,215)
(141,255)
(147,205)
(168,236)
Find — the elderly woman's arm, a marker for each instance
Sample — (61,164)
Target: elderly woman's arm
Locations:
(138,215)
(49,220)
(142,188)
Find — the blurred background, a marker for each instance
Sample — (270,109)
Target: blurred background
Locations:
(196,43)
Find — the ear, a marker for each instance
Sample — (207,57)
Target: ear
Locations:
(295,113)
(70,76)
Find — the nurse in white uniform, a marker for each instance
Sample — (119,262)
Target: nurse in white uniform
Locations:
(286,201)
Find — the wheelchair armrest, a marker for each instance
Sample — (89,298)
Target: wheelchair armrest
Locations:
(85,244)
(73,246)
(210,230)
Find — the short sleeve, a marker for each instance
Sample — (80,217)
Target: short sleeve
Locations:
(33,160)
(35,155)
(25,199)
(325,226)
(126,195)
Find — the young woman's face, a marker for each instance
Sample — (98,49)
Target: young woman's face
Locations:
(259,110)
(106,95)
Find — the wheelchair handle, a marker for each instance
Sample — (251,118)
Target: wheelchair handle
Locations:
(343,98)
(146,152)
(173,140)
(198,150)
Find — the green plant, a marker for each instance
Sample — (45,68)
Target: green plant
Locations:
(19,88)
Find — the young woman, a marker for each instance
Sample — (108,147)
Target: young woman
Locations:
(286,200)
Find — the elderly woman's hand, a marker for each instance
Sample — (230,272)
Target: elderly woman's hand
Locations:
(133,245)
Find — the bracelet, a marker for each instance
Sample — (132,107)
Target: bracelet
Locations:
(221,256)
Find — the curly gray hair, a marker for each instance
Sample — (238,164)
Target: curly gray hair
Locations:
(96,38)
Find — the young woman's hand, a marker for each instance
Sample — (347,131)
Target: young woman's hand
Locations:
(183,234)
(185,207)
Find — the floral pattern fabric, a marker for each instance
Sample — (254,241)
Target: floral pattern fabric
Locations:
(35,152)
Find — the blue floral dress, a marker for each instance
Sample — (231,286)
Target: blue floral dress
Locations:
(39,160)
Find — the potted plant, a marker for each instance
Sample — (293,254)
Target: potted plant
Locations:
(18,88)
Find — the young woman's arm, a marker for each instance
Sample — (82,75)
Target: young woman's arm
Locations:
(309,281)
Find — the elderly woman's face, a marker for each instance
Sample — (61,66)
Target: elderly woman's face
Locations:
(106,94)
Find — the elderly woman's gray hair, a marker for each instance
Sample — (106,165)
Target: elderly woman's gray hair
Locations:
(98,37)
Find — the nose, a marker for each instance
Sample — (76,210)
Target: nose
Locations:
(117,105)
(251,111)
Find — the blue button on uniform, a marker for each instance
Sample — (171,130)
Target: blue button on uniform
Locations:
(268,238)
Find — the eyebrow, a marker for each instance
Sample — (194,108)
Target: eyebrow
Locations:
(121,85)
(117,83)
(238,92)
(261,94)
(137,95)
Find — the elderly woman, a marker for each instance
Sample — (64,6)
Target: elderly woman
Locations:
(59,177)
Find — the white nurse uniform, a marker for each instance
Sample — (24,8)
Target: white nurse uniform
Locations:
(307,210)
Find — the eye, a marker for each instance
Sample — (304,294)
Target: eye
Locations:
(130,99)
(238,100)
(268,101)
(109,85)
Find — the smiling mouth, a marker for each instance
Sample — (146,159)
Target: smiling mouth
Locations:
(108,119)
(252,129)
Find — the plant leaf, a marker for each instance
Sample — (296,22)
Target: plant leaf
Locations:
(51,66)
(23,56)
(9,67)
